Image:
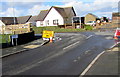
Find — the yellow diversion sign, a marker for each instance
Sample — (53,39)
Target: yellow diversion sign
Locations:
(47,34)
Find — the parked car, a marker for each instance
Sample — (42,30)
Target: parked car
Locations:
(92,23)
(117,34)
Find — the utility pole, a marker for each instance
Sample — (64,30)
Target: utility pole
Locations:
(14,13)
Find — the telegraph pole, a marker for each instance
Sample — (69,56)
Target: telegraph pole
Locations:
(14,13)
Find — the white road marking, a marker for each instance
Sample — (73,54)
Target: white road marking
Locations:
(115,45)
(71,45)
(89,36)
(90,65)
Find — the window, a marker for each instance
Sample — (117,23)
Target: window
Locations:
(41,22)
(47,22)
(55,22)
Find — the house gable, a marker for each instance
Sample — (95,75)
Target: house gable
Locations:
(53,18)
(57,15)
(90,17)
(67,13)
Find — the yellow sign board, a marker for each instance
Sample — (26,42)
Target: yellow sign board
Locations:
(47,34)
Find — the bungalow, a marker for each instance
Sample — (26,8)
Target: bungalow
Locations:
(32,20)
(4,21)
(8,20)
(23,19)
(55,16)
(15,20)
(90,17)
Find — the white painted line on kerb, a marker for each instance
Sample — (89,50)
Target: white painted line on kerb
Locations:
(89,36)
(71,45)
(90,65)
(115,44)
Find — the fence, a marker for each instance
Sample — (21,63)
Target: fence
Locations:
(16,29)
(70,25)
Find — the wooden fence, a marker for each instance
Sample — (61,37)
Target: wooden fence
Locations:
(70,25)
(16,29)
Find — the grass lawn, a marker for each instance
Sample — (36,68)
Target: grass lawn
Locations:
(5,38)
(39,30)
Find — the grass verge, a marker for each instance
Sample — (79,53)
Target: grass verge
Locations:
(5,38)
(39,30)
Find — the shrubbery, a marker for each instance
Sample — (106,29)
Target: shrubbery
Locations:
(5,38)
(88,27)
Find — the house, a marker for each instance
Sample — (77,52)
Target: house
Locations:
(40,18)
(15,20)
(8,20)
(116,19)
(90,17)
(33,20)
(55,16)
(23,19)
(5,21)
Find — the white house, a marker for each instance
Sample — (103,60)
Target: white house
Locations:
(1,23)
(55,16)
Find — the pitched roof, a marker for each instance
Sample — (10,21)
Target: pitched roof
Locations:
(63,11)
(42,15)
(18,20)
(8,20)
(32,19)
(93,15)
(23,19)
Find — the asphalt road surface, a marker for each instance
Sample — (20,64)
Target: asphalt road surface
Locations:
(70,54)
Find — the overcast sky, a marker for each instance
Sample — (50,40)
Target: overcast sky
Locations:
(82,7)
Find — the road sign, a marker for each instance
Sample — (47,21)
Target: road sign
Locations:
(14,36)
(47,34)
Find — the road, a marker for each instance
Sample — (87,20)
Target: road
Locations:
(69,55)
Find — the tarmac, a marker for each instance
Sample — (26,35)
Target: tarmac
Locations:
(106,65)
(21,48)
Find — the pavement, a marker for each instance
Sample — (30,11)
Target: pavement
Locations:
(20,48)
(106,65)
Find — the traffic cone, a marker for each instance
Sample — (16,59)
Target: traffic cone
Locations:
(51,39)
(115,37)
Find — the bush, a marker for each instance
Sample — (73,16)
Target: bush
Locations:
(5,38)
(88,27)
